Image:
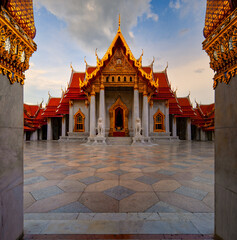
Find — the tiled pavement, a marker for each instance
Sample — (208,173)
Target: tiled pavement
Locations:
(161,189)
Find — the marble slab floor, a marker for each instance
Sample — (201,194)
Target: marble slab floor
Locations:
(72,188)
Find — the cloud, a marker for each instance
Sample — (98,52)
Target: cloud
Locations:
(183,31)
(93,23)
(185,7)
(175,5)
(199,70)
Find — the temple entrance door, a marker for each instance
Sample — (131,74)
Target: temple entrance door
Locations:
(119,130)
(118,119)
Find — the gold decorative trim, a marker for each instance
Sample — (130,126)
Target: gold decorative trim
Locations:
(221,46)
(16,48)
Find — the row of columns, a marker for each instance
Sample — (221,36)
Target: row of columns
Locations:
(102,109)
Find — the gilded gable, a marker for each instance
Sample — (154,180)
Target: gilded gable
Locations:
(119,64)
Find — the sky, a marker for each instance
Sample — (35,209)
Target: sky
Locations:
(168,30)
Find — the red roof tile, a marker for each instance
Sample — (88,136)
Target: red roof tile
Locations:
(186,107)
(50,109)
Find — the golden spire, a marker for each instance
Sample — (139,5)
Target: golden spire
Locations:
(119,30)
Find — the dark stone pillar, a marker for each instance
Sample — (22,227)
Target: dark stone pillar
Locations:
(11,159)
(226,160)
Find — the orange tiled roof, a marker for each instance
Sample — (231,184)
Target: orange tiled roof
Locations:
(216,12)
(147,69)
(50,109)
(22,12)
(186,107)
(164,90)
(174,107)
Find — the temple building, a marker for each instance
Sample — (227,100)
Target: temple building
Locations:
(119,97)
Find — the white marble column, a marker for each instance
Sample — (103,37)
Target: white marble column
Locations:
(71,115)
(40,134)
(34,136)
(49,129)
(167,123)
(145,115)
(203,135)
(102,105)
(188,129)
(135,107)
(92,113)
(63,126)
(174,127)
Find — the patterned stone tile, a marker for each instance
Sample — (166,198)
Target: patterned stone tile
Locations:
(147,180)
(162,207)
(32,180)
(99,166)
(191,192)
(166,172)
(139,166)
(84,162)
(49,162)
(211,172)
(178,166)
(70,172)
(29,171)
(75,207)
(203,180)
(46,192)
(119,192)
(91,180)
(119,172)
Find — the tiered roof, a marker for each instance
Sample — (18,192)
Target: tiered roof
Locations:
(51,107)
(186,107)
(164,89)
(204,118)
(174,107)
(32,117)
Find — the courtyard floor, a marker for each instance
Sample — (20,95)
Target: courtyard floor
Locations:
(72,188)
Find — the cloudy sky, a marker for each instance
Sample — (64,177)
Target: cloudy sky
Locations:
(168,30)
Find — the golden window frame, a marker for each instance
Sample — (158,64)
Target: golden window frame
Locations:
(79,112)
(161,122)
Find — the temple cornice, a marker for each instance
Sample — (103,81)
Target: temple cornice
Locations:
(16,48)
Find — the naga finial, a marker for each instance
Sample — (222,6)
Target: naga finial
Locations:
(49,94)
(71,66)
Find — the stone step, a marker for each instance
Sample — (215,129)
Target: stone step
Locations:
(119,140)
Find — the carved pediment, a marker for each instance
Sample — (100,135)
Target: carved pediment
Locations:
(119,64)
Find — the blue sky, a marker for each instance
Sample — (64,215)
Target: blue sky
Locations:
(168,30)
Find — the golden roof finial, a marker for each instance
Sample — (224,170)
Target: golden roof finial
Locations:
(71,66)
(49,94)
(119,30)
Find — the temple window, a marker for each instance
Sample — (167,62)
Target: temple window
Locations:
(118,79)
(113,79)
(124,79)
(159,125)
(79,122)
(130,79)
(107,79)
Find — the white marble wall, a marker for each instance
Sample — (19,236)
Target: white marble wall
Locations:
(157,105)
(84,109)
(11,160)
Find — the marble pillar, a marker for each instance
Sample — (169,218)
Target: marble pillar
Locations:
(203,135)
(102,107)
(34,136)
(63,126)
(41,134)
(188,129)
(145,116)
(92,115)
(49,129)
(71,116)
(135,107)
(11,160)
(226,160)
(167,123)
(174,126)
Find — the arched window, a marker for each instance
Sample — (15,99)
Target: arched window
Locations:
(124,79)
(159,118)
(130,79)
(113,79)
(79,121)
(107,79)
(118,79)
